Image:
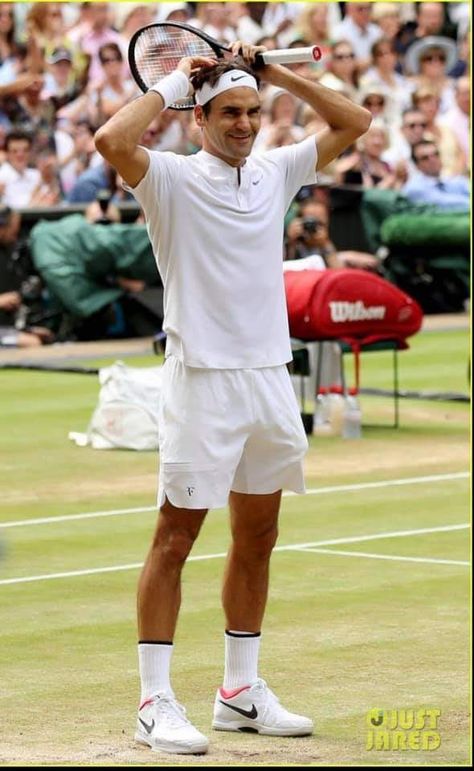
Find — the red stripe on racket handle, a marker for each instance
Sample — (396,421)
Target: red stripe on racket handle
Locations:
(292,55)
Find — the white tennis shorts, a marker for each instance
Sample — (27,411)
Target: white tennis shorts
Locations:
(223,430)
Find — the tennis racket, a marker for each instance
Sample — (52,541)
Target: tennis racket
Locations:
(156,50)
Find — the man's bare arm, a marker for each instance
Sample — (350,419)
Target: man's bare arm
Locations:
(117,140)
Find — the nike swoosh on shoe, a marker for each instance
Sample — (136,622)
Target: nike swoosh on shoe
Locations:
(148,728)
(250,713)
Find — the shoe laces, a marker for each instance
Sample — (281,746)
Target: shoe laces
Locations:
(172,710)
(270,700)
(261,687)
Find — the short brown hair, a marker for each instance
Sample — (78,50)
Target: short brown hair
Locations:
(212,74)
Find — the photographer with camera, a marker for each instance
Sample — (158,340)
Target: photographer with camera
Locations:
(102,211)
(21,304)
(307,235)
(11,314)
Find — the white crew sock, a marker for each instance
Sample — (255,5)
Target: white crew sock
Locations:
(154,661)
(241,658)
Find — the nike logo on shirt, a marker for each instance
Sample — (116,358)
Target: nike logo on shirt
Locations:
(148,728)
(250,713)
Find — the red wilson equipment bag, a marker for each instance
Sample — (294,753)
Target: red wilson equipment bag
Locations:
(354,306)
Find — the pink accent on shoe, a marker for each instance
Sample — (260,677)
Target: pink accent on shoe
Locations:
(229,694)
(147,701)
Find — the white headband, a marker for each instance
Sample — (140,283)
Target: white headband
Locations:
(231,79)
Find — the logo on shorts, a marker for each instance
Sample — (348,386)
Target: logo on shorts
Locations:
(190,490)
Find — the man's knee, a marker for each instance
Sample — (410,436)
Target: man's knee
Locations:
(176,533)
(255,546)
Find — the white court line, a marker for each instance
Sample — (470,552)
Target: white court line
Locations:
(200,557)
(312,491)
(392,557)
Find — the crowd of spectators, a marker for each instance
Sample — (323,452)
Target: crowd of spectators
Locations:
(64,72)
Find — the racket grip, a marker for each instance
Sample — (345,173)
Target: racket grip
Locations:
(291,55)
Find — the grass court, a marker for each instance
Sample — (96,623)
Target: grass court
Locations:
(369,605)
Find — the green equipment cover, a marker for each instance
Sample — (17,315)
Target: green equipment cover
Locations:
(79,261)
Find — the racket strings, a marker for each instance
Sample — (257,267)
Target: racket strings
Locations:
(159,50)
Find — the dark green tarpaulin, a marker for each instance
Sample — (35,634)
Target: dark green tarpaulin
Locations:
(428,249)
(390,219)
(78,260)
(438,231)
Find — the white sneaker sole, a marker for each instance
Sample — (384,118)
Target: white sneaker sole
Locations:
(193,748)
(257,728)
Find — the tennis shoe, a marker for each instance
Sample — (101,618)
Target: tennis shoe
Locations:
(255,709)
(162,725)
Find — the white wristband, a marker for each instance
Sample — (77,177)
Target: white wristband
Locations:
(172,87)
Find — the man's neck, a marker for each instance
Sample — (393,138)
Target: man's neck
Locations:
(236,163)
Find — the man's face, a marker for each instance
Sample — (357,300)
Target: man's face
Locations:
(233,122)
(431,16)
(100,16)
(428,161)
(414,126)
(463,95)
(360,13)
(313,212)
(18,154)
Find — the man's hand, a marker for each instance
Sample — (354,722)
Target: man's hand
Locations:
(9,301)
(23,81)
(270,73)
(246,51)
(294,231)
(190,65)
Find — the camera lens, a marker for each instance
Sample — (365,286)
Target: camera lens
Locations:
(311,224)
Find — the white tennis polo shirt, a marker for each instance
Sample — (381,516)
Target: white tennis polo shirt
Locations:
(217,237)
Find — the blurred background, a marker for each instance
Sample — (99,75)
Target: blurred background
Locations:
(75,262)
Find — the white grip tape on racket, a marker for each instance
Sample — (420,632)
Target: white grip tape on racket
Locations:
(292,55)
(172,87)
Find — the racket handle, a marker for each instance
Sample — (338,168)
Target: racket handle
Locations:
(291,55)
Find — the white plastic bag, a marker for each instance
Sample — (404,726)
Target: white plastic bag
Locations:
(126,415)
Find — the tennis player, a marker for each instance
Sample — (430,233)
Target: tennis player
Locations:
(230,428)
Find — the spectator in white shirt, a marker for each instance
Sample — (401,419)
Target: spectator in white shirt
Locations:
(17,180)
(341,70)
(458,118)
(387,16)
(128,17)
(412,130)
(383,76)
(357,28)
(452,157)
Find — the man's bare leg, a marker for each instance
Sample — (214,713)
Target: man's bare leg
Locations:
(254,527)
(159,588)
(245,702)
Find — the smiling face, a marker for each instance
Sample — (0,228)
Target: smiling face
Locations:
(232,124)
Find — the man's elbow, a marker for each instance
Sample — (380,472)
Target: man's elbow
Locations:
(110,145)
(363,121)
(104,142)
